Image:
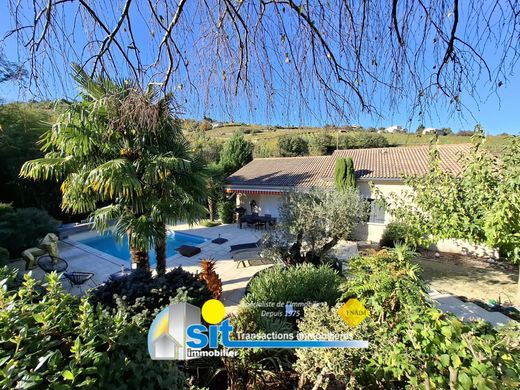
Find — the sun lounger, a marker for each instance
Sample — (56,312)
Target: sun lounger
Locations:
(243,255)
(250,245)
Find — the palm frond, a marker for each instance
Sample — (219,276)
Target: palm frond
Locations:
(76,197)
(161,168)
(102,216)
(46,168)
(113,179)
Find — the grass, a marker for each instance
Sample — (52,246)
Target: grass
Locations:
(267,136)
(494,143)
(208,223)
(470,278)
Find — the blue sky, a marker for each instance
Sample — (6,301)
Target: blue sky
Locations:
(497,112)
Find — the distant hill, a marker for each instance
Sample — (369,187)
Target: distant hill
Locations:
(266,138)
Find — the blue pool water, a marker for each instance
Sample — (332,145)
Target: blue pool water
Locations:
(108,244)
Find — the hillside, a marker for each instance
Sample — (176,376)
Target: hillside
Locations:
(266,138)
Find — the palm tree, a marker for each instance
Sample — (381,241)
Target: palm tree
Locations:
(121,156)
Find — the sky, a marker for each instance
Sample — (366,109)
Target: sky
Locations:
(497,112)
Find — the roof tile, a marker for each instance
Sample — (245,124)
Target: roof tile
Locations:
(377,163)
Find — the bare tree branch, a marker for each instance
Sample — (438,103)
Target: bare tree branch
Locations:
(337,57)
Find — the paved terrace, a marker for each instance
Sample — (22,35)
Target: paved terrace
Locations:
(234,280)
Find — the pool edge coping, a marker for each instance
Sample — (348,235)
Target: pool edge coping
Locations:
(117,261)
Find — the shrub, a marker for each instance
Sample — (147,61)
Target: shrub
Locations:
(412,345)
(263,150)
(299,284)
(4,256)
(362,140)
(248,369)
(141,292)
(387,282)
(292,145)
(208,223)
(56,341)
(395,232)
(210,277)
(9,276)
(226,211)
(6,208)
(23,228)
(430,350)
(320,144)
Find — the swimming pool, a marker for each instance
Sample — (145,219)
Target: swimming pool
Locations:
(108,244)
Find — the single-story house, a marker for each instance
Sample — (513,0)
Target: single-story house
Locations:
(433,130)
(395,129)
(265,180)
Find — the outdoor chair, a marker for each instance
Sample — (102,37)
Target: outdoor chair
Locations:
(78,279)
(50,264)
(249,245)
(260,224)
(47,246)
(243,255)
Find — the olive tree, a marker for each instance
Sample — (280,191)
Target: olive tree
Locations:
(312,222)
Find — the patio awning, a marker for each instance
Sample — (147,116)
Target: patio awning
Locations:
(252,192)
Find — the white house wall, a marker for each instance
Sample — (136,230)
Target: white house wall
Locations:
(265,204)
(373,231)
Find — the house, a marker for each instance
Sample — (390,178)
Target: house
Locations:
(394,129)
(432,130)
(265,180)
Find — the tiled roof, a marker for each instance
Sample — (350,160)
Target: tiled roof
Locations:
(377,163)
(281,172)
(393,163)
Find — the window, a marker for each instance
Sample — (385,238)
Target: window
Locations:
(377,213)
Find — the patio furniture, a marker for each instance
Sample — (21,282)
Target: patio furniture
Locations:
(270,220)
(249,245)
(123,273)
(50,264)
(67,229)
(260,224)
(253,219)
(243,255)
(188,250)
(219,240)
(78,279)
(47,246)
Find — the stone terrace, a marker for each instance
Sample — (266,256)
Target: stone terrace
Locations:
(234,280)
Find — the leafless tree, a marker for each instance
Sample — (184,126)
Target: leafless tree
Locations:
(343,56)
